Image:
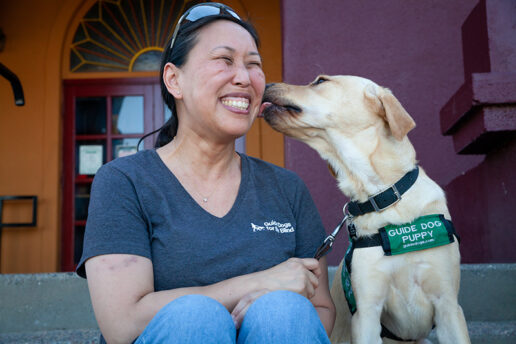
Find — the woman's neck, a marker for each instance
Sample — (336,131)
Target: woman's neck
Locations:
(195,155)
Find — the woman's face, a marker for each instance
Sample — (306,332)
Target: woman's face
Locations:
(222,82)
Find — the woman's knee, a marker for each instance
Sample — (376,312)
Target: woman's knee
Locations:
(282,316)
(284,303)
(279,308)
(191,317)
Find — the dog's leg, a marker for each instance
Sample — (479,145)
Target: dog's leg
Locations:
(449,319)
(370,297)
(365,325)
(450,322)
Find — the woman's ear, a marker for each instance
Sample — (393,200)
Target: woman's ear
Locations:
(170,78)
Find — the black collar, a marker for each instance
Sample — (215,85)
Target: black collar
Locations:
(386,198)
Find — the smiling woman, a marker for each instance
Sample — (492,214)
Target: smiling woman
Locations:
(158,216)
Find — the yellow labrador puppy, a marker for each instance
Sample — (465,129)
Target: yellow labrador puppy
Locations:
(361,129)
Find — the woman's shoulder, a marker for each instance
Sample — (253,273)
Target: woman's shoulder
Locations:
(132,166)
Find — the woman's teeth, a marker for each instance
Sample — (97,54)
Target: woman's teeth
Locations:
(237,103)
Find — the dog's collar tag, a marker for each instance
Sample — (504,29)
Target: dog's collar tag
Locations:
(424,232)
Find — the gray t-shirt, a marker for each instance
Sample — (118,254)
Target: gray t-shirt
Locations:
(138,207)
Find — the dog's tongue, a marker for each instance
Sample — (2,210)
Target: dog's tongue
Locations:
(263,107)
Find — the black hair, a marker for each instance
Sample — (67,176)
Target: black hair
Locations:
(185,41)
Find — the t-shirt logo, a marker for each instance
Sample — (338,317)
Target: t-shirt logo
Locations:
(273,226)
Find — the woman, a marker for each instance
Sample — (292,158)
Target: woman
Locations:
(192,242)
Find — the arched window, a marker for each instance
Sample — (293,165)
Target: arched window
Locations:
(124,35)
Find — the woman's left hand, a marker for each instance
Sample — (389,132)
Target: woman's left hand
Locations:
(242,306)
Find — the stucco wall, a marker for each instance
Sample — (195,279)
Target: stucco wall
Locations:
(30,135)
(412,47)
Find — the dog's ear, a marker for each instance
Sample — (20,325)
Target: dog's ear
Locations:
(391,110)
(398,118)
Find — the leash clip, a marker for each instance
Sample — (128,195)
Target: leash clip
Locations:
(328,242)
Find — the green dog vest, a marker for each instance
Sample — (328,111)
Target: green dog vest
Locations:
(423,233)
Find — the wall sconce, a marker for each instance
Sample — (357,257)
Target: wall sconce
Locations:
(19,100)
(11,77)
(2,40)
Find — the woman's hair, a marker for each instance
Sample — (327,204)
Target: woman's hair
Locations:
(185,41)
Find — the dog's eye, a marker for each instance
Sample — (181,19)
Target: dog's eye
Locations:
(319,81)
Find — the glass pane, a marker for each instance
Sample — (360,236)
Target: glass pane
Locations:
(147,61)
(78,245)
(82,200)
(167,112)
(125,147)
(90,115)
(89,156)
(127,117)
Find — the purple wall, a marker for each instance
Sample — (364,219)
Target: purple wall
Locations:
(412,47)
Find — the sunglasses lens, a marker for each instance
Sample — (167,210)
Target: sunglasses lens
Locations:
(233,13)
(201,12)
(209,10)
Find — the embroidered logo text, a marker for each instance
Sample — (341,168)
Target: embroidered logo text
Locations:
(273,226)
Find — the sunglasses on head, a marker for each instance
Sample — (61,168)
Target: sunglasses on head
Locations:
(200,11)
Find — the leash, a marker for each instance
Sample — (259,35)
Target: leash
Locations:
(328,242)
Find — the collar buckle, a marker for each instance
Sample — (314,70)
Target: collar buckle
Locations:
(396,193)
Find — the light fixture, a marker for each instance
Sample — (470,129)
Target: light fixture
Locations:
(2,40)
(15,84)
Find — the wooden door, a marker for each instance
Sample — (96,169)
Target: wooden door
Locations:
(103,120)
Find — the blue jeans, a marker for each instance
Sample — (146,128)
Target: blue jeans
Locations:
(277,317)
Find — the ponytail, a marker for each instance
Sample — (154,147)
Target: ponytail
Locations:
(167,132)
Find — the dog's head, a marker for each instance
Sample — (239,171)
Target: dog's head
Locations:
(347,103)
(347,119)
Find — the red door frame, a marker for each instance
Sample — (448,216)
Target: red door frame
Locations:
(153,118)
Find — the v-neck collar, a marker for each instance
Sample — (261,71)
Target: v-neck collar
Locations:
(240,195)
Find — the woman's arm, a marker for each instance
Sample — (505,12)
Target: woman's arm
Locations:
(123,297)
(322,300)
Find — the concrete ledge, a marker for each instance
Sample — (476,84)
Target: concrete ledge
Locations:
(56,308)
(44,302)
(487,291)
(52,337)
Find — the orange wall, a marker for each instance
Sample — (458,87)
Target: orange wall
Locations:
(30,136)
(262,141)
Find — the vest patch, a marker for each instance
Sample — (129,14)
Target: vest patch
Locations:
(424,232)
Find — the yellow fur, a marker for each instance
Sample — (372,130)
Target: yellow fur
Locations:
(361,129)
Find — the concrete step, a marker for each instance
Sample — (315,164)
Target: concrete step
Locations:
(89,336)
(487,291)
(485,332)
(44,302)
(491,332)
(481,332)
(56,308)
